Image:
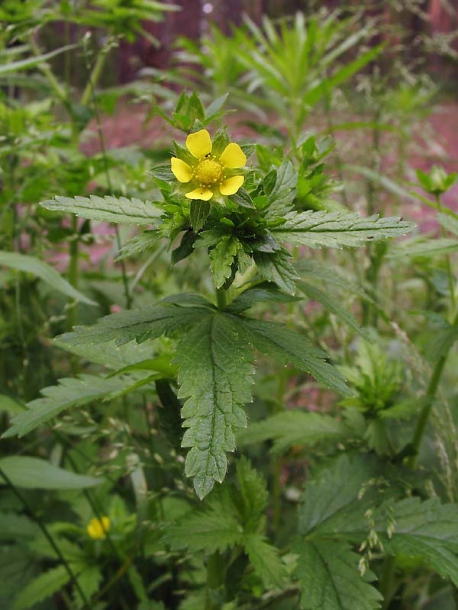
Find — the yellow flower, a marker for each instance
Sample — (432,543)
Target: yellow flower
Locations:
(98,528)
(210,174)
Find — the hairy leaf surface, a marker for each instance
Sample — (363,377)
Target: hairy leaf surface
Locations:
(215,377)
(285,345)
(294,428)
(329,577)
(107,209)
(336,229)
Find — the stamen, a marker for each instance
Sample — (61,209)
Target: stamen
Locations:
(208,171)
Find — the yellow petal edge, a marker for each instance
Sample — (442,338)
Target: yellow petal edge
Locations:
(233,156)
(200,193)
(181,170)
(231,185)
(199,144)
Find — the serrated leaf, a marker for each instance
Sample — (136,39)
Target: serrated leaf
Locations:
(41,588)
(147,240)
(70,392)
(261,293)
(89,580)
(215,375)
(265,559)
(164,318)
(30,264)
(214,528)
(332,502)
(293,428)
(277,268)
(106,209)
(253,493)
(34,473)
(222,256)
(283,192)
(329,578)
(285,345)
(336,229)
(424,529)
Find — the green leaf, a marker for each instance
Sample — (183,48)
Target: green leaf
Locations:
(422,247)
(34,473)
(214,528)
(293,428)
(89,580)
(423,529)
(222,256)
(107,209)
(448,222)
(41,588)
(283,192)
(265,559)
(252,489)
(277,268)
(137,324)
(337,229)
(10,405)
(332,502)
(332,304)
(330,579)
(261,293)
(285,345)
(16,527)
(31,62)
(148,240)
(215,375)
(70,392)
(30,264)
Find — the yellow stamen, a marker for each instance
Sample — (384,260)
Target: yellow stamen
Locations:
(208,171)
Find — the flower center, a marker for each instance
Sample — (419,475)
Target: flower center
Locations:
(208,171)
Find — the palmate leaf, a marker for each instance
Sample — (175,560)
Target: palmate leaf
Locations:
(107,209)
(285,345)
(337,229)
(215,375)
(423,529)
(329,577)
(293,428)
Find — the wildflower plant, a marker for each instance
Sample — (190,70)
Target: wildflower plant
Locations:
(245,232)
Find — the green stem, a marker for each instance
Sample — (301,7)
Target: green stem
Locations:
(73,272)
(58,90)
(387,587)
(95,74)
(424,415)
(215,579)
(448,265)
(221,298)
(48,537)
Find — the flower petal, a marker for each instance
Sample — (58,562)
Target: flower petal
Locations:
(181,170)
(231,185)
(199,144)
(200,193)
(233,156)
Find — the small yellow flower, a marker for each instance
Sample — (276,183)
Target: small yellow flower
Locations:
(98,528)
(210,174)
